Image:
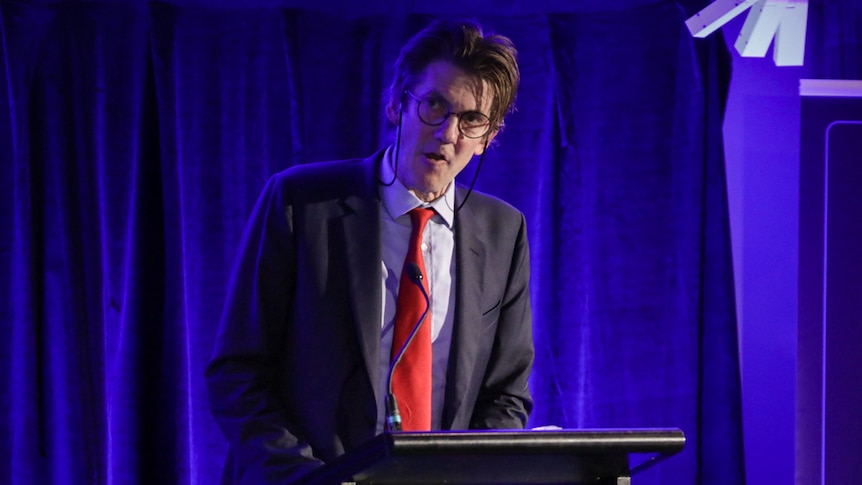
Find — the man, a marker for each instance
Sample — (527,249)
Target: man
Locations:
(303,358)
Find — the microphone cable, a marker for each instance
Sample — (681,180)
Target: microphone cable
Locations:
(393,415)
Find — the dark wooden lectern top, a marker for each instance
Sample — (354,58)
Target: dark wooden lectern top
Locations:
(502,457)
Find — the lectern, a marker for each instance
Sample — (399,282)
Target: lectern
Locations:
(502,457)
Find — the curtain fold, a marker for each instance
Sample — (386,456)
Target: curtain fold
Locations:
(136,137)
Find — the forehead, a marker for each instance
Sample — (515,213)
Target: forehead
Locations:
(462,90)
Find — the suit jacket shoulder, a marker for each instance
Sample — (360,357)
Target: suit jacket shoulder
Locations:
(321,181)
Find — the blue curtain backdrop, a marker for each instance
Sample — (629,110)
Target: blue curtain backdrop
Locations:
(135,137)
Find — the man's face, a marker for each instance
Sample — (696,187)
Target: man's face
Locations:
(430,157)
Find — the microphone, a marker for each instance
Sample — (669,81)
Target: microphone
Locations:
(393,415)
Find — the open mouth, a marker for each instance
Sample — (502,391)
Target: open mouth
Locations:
(435,156)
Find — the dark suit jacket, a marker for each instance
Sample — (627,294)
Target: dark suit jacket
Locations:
(294,377)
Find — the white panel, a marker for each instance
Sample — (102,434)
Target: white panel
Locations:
(850,88)
(716,15)
(790,38)
(760,27)
(782,20)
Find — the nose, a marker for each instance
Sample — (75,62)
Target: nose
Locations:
(447,132)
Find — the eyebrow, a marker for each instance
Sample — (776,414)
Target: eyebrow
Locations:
(437,95)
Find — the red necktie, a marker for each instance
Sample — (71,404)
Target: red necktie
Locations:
(411,382)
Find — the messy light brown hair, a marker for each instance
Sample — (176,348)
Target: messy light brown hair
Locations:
(491,58)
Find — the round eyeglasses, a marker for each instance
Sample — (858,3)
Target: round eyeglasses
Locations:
(433,111)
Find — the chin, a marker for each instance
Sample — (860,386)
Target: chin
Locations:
(435,187)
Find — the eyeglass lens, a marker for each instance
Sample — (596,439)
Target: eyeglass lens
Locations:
(472,124)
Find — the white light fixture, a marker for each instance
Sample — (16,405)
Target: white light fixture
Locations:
(783,20)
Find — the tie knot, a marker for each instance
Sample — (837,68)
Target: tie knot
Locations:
(420,216)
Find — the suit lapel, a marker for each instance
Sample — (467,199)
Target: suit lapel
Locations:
(470,261)
(361,236)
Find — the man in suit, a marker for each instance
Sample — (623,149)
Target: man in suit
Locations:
(302,361)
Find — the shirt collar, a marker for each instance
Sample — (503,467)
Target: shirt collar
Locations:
(397,200)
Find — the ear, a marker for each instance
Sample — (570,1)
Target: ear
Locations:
(481,148)
(393,111)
